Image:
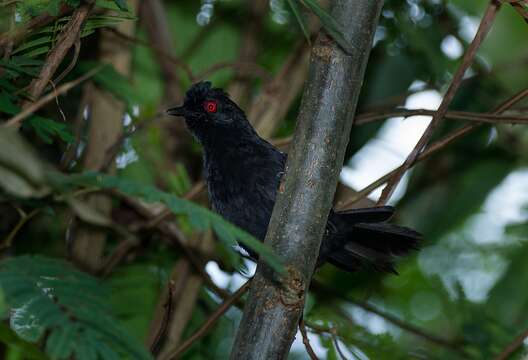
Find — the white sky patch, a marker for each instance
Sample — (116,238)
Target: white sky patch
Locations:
(391,146)
(128,156)
(374,323)
(127,119)
(317,347)
(206,12)
(135,110)
(503,206)
(451,47)
(379,35)
(468,27)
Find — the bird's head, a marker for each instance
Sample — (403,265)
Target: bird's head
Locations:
(209,112)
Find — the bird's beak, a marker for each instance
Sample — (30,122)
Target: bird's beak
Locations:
(177,111)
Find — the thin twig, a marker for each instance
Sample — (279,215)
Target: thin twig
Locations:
(337,346)
(195,190)
(242,66)
(65,41)
(38,21)
(11,14)
(306,341)
(162,331)
(153,15)
(209,323)
(421,333)
(366,118)
(513,346)
(24,218)
(113,150)
(519,7)
(127,246)
(434,148)
(447,343)
(467,60)
(452,115)
(71,151)
(18,118)
(71,65)
(177,61)
(121,251)
(177,239)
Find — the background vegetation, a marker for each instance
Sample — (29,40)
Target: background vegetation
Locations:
(106,248)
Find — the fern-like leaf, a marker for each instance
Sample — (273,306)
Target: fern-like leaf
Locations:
(200,218)
(49,296)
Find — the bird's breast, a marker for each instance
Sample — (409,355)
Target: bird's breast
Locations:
(243,194)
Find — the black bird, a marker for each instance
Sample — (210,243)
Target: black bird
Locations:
(243,172)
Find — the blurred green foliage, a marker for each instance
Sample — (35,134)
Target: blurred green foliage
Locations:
(463,296)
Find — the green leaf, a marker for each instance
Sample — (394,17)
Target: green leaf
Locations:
(11,65)
(334,29)
(21,172)
(70,306)
(122,4)
(143,283)
(30,351)
(296,9)
(508,304)
(46,129)
(109,79)
(88,213)
(54,7)
(198,215)
(73,3)
(33,43)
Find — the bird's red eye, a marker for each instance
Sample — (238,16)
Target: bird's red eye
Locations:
(210,106)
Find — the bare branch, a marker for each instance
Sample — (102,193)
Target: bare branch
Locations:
(168,306)
(158,50)
(519,7)
(434,148)
(209,323)
(513,346)
(306,341)
(467,60)
(452,115)
(67,38)
(18,34)
(33,107)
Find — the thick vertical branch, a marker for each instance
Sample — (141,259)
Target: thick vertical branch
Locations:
(274,307)
(106,126)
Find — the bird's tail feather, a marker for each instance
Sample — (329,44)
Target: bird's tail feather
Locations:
(375,242)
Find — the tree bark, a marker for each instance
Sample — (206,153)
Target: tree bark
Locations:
(275,305)
(106,126)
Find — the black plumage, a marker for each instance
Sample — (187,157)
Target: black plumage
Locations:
(243,172)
